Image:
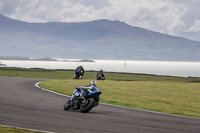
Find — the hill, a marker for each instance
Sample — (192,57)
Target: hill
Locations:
(99,39)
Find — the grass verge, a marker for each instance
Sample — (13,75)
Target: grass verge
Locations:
(172,97)
(15,130)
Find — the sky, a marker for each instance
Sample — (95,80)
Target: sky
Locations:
(173,17)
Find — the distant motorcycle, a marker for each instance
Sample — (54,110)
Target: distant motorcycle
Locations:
(85,101)
(100,77)
(78,75)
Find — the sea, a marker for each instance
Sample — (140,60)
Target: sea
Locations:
(166,68)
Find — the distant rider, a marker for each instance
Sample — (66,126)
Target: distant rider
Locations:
(100,75)
(77,92)
(79,72)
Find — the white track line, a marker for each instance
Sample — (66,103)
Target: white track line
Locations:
(37,85)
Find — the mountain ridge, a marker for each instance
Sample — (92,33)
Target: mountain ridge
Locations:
(98,39)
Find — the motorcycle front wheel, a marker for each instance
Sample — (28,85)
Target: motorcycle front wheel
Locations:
(88,105)
(76,77)
(67,105)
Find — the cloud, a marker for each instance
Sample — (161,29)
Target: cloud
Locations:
(195,27)
(171,17)
(162,16)
(59,10)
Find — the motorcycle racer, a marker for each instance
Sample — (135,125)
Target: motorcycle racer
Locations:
(79,72)
(77,93)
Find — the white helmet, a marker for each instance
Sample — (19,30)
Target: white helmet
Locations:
(93,82)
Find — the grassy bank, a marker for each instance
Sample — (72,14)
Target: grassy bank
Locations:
(173,97)
(15,130)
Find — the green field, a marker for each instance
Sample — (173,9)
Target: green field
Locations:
(68,74)
(15,130)
(173,95)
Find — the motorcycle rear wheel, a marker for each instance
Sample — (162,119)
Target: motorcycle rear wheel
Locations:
(88,106)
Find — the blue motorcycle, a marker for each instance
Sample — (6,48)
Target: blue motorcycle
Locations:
(86,100)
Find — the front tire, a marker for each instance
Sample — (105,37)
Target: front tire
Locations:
(67,105)
(88,106)
(76,77)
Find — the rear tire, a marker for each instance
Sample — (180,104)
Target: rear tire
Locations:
(67,105)
(88,106)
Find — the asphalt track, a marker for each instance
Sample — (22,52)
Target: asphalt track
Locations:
(24,105)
